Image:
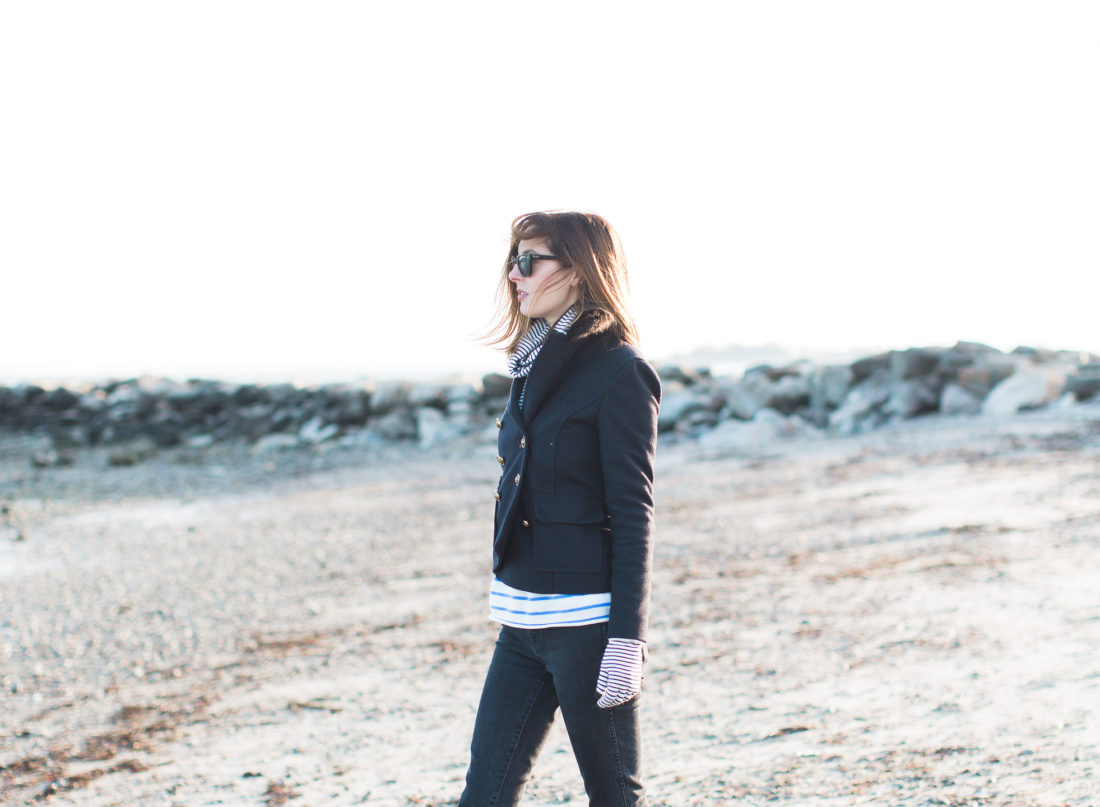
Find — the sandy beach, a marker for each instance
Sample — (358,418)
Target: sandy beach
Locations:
(905,617)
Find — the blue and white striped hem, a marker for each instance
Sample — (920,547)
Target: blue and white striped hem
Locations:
(524,609)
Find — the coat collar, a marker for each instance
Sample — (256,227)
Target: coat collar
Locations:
(556,352)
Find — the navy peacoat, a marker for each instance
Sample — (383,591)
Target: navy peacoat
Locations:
(574,512)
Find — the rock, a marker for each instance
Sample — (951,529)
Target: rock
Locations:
(861,408)
(829,386)
(460,393)
(348,404)
(757,384)
(460,410)
(275,442)
(955,400)
(980,378)
(400,424)
(698,420)
(871,365)
(1067,401)
(1036,354)
(914,362)
(789,393)
(433,428)
(427,394)
(910,398)
(496,385)
(132,454)
(1028,388)
(675,406)
(388,396)
(254,421)
(50,459)
(248,394)
(315,431)
(764,429)
(60,398)
(68,437)
(1085,383)
(737,400)
(683,375)
(166,429)
(779,389)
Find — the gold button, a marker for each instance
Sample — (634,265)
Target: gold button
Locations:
(496,496)
(523,442)
(525,523)
(517,480)
(500,459)
(499,424)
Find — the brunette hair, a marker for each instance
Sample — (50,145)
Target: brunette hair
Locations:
(588,245)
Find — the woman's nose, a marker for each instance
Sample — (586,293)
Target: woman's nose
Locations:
(515,275)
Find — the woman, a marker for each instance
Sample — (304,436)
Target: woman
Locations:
(572,544)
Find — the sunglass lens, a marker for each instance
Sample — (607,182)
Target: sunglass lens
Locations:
(524,264)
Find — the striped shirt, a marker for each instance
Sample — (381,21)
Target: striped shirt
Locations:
(525,609)
(521,362)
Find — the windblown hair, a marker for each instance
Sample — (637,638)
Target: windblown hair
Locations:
(590,250)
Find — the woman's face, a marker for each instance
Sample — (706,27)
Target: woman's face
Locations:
(550,290)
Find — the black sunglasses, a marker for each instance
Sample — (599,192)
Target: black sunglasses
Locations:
(524,261)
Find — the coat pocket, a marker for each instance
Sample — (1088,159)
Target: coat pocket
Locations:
(568,534)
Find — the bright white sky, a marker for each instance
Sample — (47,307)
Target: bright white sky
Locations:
(265,190)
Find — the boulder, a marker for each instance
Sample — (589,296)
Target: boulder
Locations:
(680,374)
(434,428)
(979,378)
(955,400)
(60,398)
(248,394)
(871,365)
(464,392)
(1085,383)
(675,406)
(388,396)
(829,386)
(736,399)
(166,429)
(348,406)
(778,389)
(315,431)
(697,421)
(861,409)
(790,393)
(916,362)
(765,428)
(911,398)
(496,385)
(400,424)
(275,442)
(1038,355)
(428,394)
(67,437)
(1030,387)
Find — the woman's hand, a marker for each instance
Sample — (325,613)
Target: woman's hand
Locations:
(620,672)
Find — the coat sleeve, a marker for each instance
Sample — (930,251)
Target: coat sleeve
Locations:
(627,428)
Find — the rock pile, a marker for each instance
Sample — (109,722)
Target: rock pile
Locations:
(766,403)
(804,398)
(165,413)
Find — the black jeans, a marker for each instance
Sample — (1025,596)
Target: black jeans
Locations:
(532,673)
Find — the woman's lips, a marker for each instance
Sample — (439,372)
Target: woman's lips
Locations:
(521,295)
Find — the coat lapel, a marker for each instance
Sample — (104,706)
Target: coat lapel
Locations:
(555,354)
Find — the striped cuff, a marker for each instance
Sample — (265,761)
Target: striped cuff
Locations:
(620,676)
